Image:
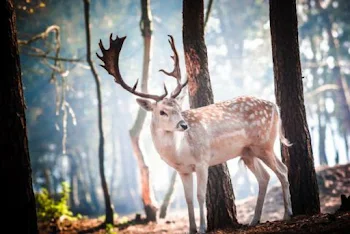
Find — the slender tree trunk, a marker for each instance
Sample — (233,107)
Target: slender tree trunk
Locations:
(347,148)
(290,99)
(333,133)
(83,191)
(108,204)
(322,135)
(92,180)
(15,168)
(221,210)
(147,192)
(321,111)
(48,181)
(74,198)
(168,195)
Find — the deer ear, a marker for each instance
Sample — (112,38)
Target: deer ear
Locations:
(145,104)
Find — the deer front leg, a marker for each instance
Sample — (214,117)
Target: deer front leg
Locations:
(187,181)
(202,180)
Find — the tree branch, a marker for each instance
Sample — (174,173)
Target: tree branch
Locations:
(108,206)
(55,58)
(42,36)
(210,4)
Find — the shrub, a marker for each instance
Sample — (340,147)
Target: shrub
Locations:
(48,208)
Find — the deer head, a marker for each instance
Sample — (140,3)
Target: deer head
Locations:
(166,112)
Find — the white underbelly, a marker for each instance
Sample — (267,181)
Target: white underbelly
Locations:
(225,150)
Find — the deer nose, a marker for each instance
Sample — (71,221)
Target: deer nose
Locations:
(183,125)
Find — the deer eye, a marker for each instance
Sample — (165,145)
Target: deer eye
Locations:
(163,113)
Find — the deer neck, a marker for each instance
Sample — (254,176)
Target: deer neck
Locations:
(166,143)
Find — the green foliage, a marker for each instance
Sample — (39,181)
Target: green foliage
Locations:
(48,208)
(109,229)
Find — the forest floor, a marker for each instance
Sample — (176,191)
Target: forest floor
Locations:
(333,181)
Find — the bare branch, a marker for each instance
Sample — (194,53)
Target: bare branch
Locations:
(72,60)
(210,4)
(321,89)
(42,36)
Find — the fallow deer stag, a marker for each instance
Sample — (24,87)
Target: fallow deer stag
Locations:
(193,140)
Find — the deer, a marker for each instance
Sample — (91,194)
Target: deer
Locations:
(190,141)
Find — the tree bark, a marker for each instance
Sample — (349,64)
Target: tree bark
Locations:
(15,169)
(221,210)
(146,188)
(168,195)
(108,205)
(290,99)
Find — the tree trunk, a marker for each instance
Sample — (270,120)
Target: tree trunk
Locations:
(92,180)
(321,110)
(48,181)
(221,210)
(168,195)
(108,204)
(16,172)
(147,192)
(343,93)
(73,174)
(322,142)
(290,99)
(346,143)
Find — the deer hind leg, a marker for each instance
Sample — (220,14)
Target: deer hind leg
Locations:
(262,177)
(187,182)
(281,171)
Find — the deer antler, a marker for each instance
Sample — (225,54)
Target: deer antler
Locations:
(176,73)
(110,58)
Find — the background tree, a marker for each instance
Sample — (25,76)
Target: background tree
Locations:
(221,210)
(146,188)
(290,99)
(16,172)
(108,205)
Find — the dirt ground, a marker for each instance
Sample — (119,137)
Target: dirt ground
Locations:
(335,181)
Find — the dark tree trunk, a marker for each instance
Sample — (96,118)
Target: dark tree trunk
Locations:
(147,191)
(15,169)
(108,205)
(221,210)
(290,99)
